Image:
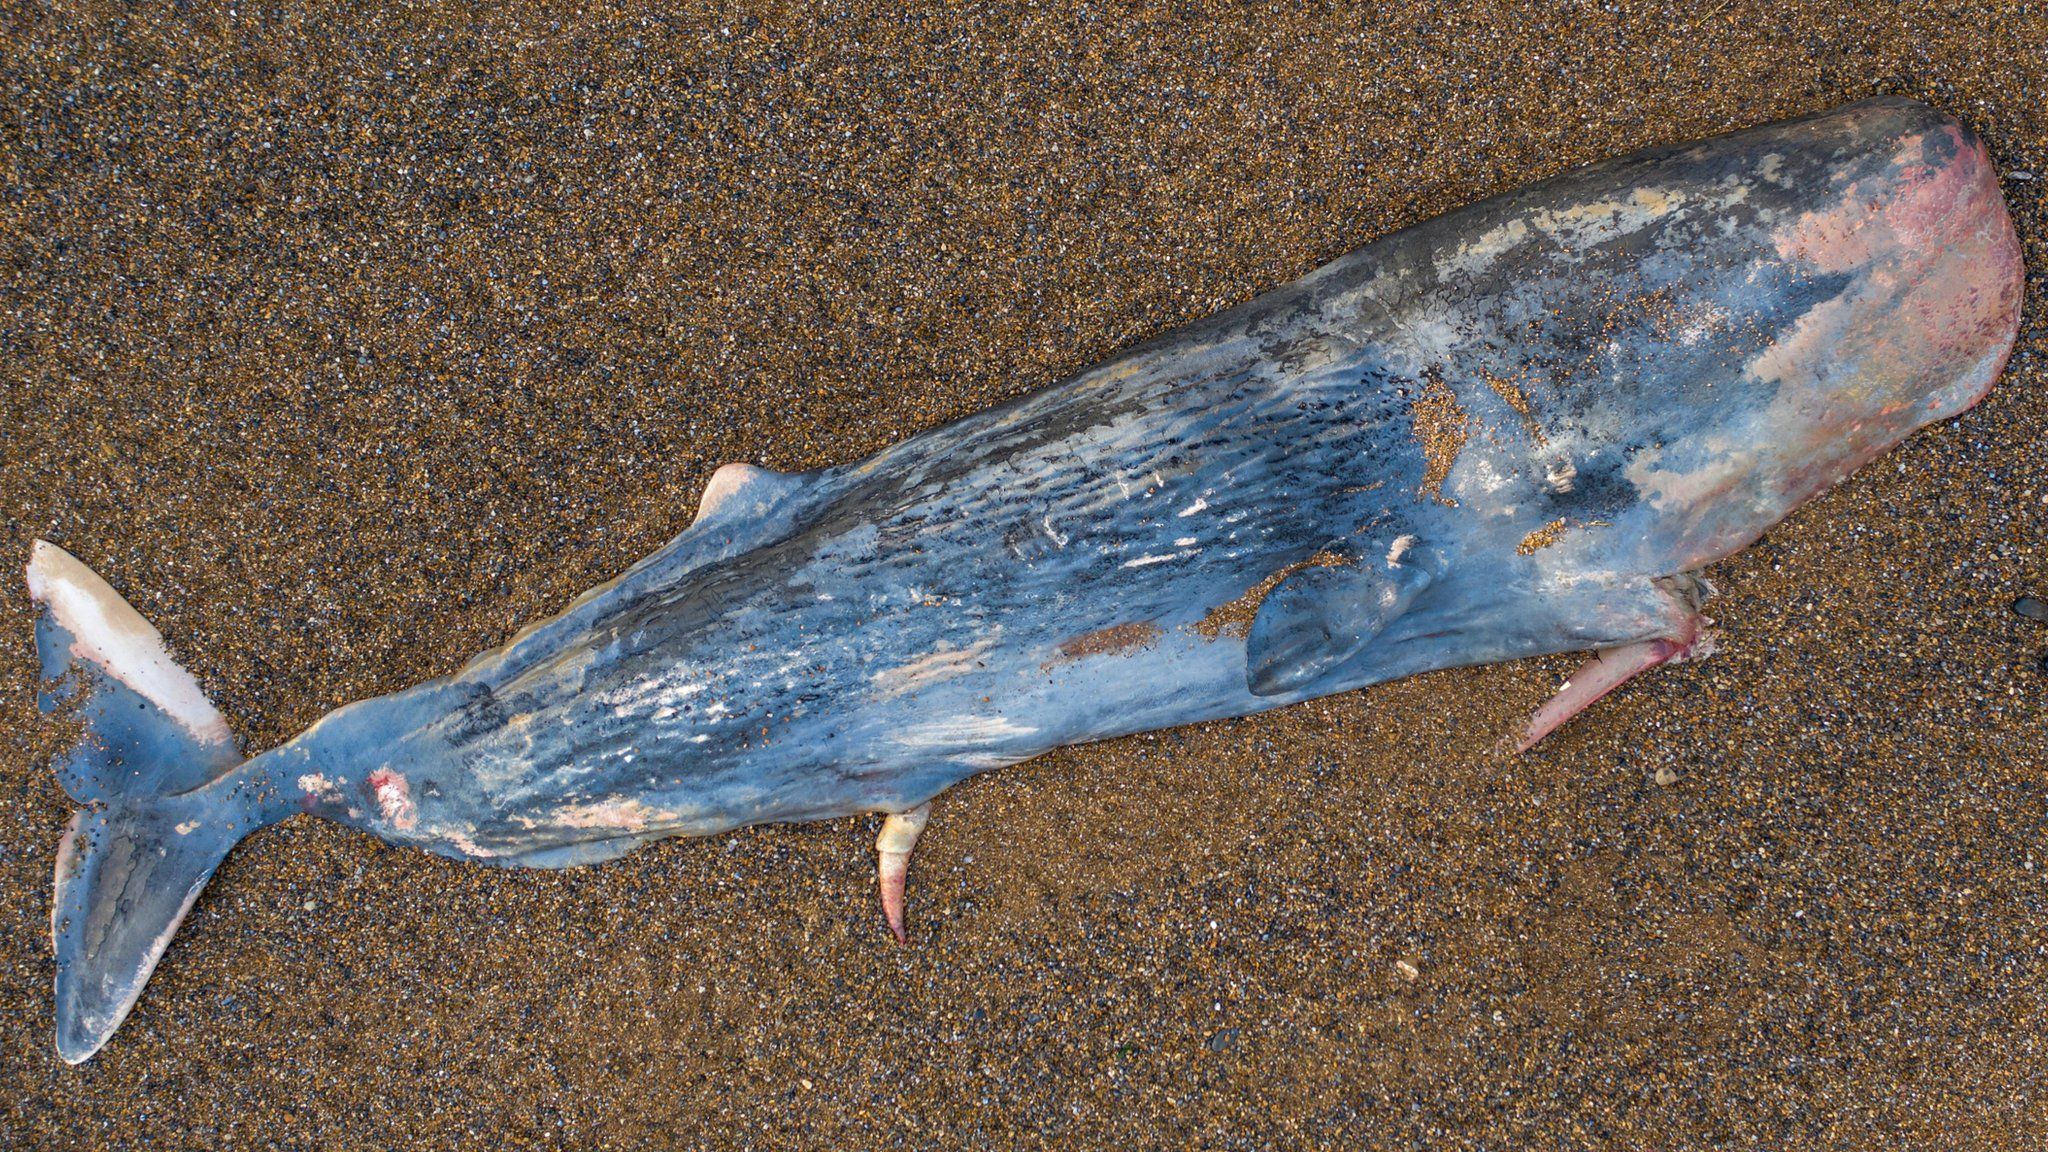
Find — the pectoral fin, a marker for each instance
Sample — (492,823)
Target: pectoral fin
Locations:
(1322,616)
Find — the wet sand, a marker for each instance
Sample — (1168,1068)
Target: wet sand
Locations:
(343,345)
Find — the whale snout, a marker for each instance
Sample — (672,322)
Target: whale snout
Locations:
(1967,313)
(1936,279)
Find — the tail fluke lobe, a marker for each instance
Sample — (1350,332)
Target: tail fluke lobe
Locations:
(149,728)
(154,765)
(126,876)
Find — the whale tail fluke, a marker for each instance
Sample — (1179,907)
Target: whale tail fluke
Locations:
(153,769)
(126,876)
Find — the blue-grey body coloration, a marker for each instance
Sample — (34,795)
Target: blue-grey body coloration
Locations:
(1514,430)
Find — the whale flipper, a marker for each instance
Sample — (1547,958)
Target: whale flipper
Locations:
(1318,618)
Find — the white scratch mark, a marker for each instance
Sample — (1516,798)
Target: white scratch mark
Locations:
(959,730)
(945,663)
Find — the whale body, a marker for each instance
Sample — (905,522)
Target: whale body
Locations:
(1518,429)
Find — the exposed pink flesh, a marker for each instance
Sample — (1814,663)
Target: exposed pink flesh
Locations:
(895,869)
(1603,673)
(892,848)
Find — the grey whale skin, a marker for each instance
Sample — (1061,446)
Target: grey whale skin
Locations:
(1516,429)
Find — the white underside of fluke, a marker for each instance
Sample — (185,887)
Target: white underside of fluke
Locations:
(112,635)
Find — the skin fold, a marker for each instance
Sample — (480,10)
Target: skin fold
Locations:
(1517,429)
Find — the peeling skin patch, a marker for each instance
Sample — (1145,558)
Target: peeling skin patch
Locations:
(319,787)
(1441,427)
(1790,358)
(1512,394)
(469,846)
(394,798)
(1582,226)
(626,815)
(1235,618)
(1560,477)
(1664,488)
(1541,538)
(1475,256)
(1117,639)
(1579,227)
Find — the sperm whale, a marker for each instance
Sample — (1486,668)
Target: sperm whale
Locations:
(1521,428)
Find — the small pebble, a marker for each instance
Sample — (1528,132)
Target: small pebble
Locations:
(1409,972)
(2031,608)
(2022,175)
(1664,776)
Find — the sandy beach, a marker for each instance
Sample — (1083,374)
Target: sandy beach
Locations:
(344,344)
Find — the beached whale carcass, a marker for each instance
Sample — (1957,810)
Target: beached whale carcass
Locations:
(1517,429)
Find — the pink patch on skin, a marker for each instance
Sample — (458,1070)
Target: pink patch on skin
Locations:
(628,815)
(1941,249)
(1921,205)
(394,798)
(1935,315)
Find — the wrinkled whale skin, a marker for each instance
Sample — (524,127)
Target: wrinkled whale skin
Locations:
(1702,337)
(1520,428)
